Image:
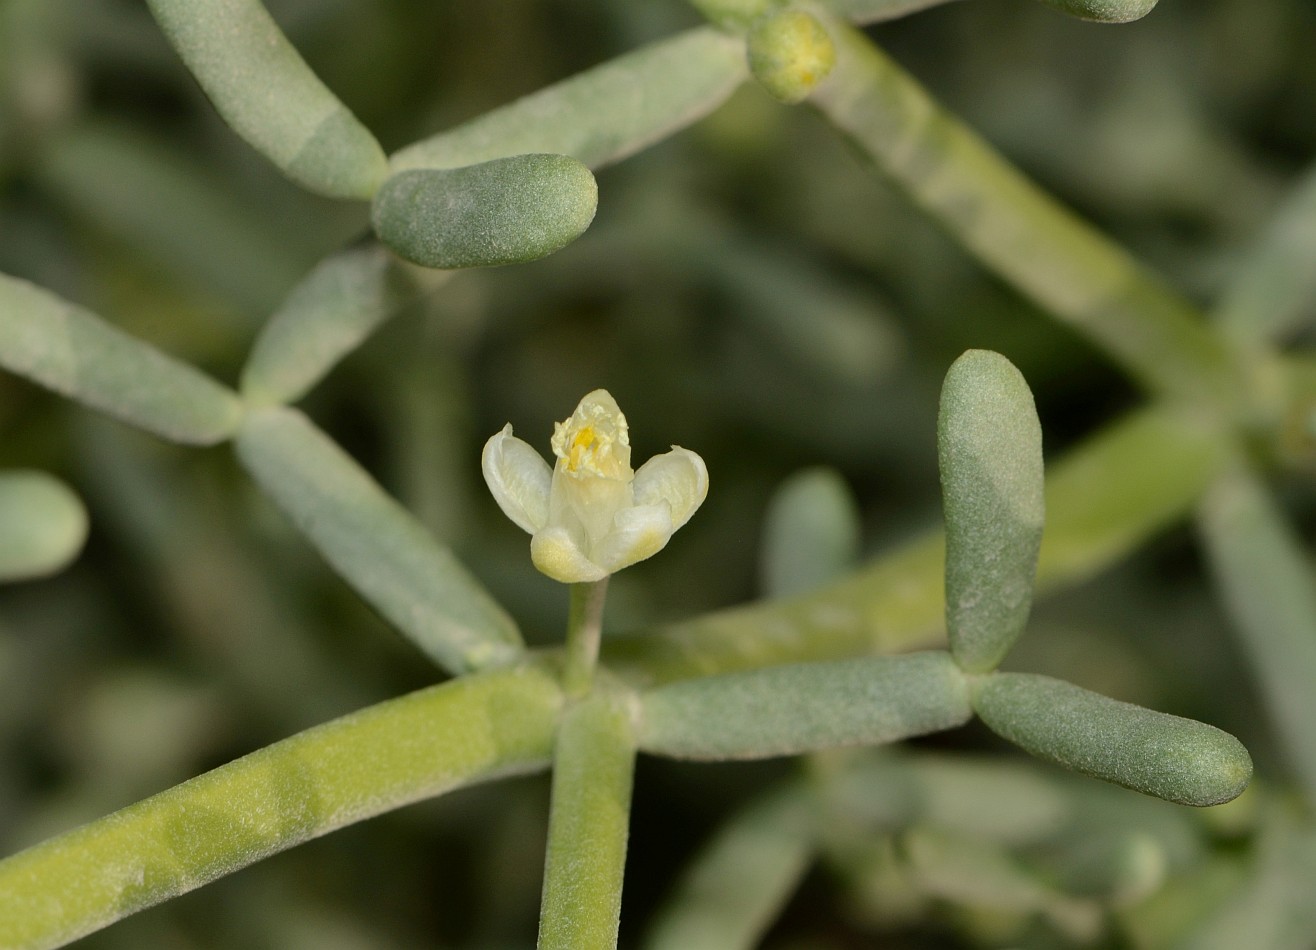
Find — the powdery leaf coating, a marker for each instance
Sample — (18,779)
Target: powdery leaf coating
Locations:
(1179,760)
(263,88)
(77,354)
(42,525)
(787,710)
(505,211)
(989,448)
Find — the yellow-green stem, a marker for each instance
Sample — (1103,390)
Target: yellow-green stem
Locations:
(584,630)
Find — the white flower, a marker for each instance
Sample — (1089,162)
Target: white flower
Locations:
(591,515)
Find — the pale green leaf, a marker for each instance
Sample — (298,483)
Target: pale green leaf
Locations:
(42,525)
(1274,291)
(375,544)
(1096,514)
(1269,586)
(785,710)
(602,115)
(1177,759)
(810,533)
(326,316)
(504,211)
(263,88)
(74,352)
(588,825)
(372,761)
(738,883)
(1049,254)
(985,875)
(989,448)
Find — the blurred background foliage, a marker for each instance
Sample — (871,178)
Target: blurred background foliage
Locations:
(746,290)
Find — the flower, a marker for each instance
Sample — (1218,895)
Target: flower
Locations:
(590,515)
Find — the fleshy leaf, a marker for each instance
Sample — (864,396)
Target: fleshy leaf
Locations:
(42,525)
(375,544)
(786,710)
(77,354)
(263,88)
(332,310)
(989,446)
(1177,759)
(505,211)
(603,114)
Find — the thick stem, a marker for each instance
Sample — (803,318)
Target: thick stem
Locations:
(584,630)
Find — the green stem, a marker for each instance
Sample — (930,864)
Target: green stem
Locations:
(584,631)
(1023,234)
(588,825)
(478,728)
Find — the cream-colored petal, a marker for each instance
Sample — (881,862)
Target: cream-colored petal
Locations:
(519,479)
(678,477)
(555,552)
(586,501)
(638,533)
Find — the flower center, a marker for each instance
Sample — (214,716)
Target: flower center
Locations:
(594,440)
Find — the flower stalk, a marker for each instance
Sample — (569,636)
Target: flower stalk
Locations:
(584,631)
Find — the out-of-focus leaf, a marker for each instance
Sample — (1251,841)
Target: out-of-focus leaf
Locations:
(42,525)
(263,88)
(603,114)
(325,317)
(741,879)
(375,544)
(76,353)
(152,196)
(811,532)
(1274,291)
(1044,250)
(1270,589)
(1096,512)
(984,874)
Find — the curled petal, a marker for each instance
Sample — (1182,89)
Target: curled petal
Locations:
(519,479)
(555,552)
(638,533)
(678,478)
